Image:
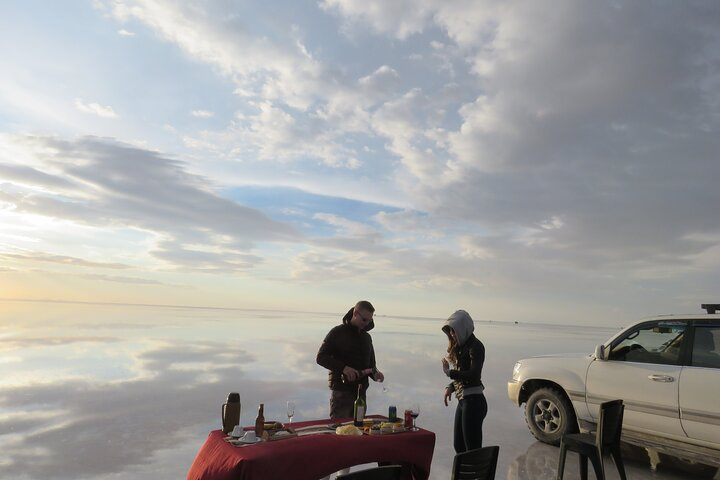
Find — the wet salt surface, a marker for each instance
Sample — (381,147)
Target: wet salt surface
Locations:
(122,392)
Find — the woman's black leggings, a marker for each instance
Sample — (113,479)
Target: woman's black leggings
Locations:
(469,416)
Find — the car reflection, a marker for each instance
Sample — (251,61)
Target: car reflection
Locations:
(540,462)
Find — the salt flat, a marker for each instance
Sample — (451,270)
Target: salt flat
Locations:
(130,392)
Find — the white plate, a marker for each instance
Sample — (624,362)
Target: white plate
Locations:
(247,442)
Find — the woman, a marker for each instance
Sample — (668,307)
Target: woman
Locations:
(466,355)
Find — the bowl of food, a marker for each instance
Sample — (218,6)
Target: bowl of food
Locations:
(273,426)
(391,427)
(348,430)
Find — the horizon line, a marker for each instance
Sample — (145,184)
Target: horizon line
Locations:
(204,307)
(195,307)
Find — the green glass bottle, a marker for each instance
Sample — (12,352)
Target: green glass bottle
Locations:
(359,408)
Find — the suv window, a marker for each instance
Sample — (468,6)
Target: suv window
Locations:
(705,347)
(651,343)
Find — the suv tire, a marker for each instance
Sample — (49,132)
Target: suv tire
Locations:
(549,415)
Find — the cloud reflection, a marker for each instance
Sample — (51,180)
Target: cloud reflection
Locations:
(86,428)
(151,419)
(11,343)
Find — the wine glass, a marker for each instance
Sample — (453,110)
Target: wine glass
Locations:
(290,410)
(414,412)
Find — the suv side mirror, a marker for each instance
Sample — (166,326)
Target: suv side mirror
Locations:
(600,352)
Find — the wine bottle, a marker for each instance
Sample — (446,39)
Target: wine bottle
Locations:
(359,408)
(260,421)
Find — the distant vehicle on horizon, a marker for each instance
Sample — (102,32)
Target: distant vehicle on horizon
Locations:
(666,369)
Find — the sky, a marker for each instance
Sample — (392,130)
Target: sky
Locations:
(526,162)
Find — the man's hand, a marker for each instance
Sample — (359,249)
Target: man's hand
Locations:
(448,396)
(351,374)
(378,377)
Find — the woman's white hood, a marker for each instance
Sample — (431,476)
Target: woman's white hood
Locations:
(463,325)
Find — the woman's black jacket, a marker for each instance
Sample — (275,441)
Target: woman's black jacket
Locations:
(470,359)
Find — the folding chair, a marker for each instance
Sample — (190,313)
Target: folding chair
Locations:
(478,464)
(587,445)
(386,472)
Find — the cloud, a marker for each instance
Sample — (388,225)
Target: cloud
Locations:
(345,226)
(120,279)
(205,261)
(385,78)
(400,18)
(524,142)
(104,183)
(404,121)
(296,107)
(328,266)
(124,33)
(594,119)
(349,108)
(202,113)
(358,238)
(277,134)
(59,259)
(624,193)
(95,109)
(402,221)
(278,69)
(23,174)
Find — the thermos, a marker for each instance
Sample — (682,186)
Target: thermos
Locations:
(231,412)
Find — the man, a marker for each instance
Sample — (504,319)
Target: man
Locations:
(347,352)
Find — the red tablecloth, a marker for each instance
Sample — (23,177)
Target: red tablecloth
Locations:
(310,457)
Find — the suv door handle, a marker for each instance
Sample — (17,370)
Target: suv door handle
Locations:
(661,378)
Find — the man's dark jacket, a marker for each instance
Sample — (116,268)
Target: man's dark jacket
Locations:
(343,346)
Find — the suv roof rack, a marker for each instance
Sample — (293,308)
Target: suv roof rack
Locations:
(710,307)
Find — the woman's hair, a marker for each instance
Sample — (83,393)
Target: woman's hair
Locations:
(452,353)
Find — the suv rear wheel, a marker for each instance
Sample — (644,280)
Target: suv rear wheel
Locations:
(549,415)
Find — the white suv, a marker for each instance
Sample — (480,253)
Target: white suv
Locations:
(666,369)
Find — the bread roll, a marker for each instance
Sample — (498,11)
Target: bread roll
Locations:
(348,430)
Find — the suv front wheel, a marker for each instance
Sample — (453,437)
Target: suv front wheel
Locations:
(549,415)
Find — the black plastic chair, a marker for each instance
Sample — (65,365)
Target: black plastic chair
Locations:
(478,464)
(606,439)
(387,472)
